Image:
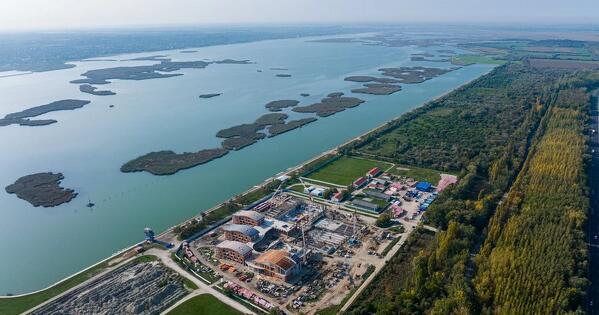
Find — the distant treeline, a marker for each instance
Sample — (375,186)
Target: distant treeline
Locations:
(45,51)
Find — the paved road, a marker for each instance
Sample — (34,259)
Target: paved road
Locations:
(593,220)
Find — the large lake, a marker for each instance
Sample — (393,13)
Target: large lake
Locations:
(40,246)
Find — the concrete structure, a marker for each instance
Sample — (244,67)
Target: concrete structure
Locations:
(248,218)
(323,238)
(277,264)
(282,227)
(317,191)
(234,251)
(240,233)
(283,178)
(377,194)
(363,204)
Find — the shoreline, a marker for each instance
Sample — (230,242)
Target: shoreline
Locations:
(333,150)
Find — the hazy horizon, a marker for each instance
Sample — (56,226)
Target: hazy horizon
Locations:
(26,15)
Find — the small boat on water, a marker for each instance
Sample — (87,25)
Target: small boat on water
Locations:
(90,204)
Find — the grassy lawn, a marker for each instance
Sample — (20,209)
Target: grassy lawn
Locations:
(18,305)
(472,59)
(203,304)
(297,188)
(419,174)
(345,170)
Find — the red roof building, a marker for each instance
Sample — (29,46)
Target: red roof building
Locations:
(338,197)
(374,172)
(359,182)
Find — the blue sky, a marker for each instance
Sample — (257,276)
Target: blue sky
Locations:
(74,14)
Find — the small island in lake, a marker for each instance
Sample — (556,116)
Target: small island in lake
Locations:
(86,88)
(305,94)
(210,95)
(412,75)
(378,89)
(42,189)
(169,162)
(277,106)
(278,129)
(240,136)
(156,71)
(283,75)
(330,105)
(22,117)
(365,78)
(151,58)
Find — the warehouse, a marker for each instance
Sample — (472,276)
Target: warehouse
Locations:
(377,194)
(424,186)
(363,204)
(359,182)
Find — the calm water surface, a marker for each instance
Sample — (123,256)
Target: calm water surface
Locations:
(39,246)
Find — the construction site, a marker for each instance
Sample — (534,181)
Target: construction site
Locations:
(137,287)
(292,253)
(310,244)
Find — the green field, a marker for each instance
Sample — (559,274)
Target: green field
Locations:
(345,170)
(472,59)
(418,174)
(203,304)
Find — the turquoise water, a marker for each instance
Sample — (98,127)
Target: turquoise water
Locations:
(42,245)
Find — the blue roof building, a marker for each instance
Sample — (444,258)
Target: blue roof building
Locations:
(424,186)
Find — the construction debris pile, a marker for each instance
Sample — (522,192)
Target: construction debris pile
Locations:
(144,288)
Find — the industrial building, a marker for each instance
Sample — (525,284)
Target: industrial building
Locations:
(234,251)
(377,194)
(363,204)
(282,227)
(424,186)
(374,172)
(314,191)
(338,197)
(359,182)
(246,217)
(278,264)
(240,233)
